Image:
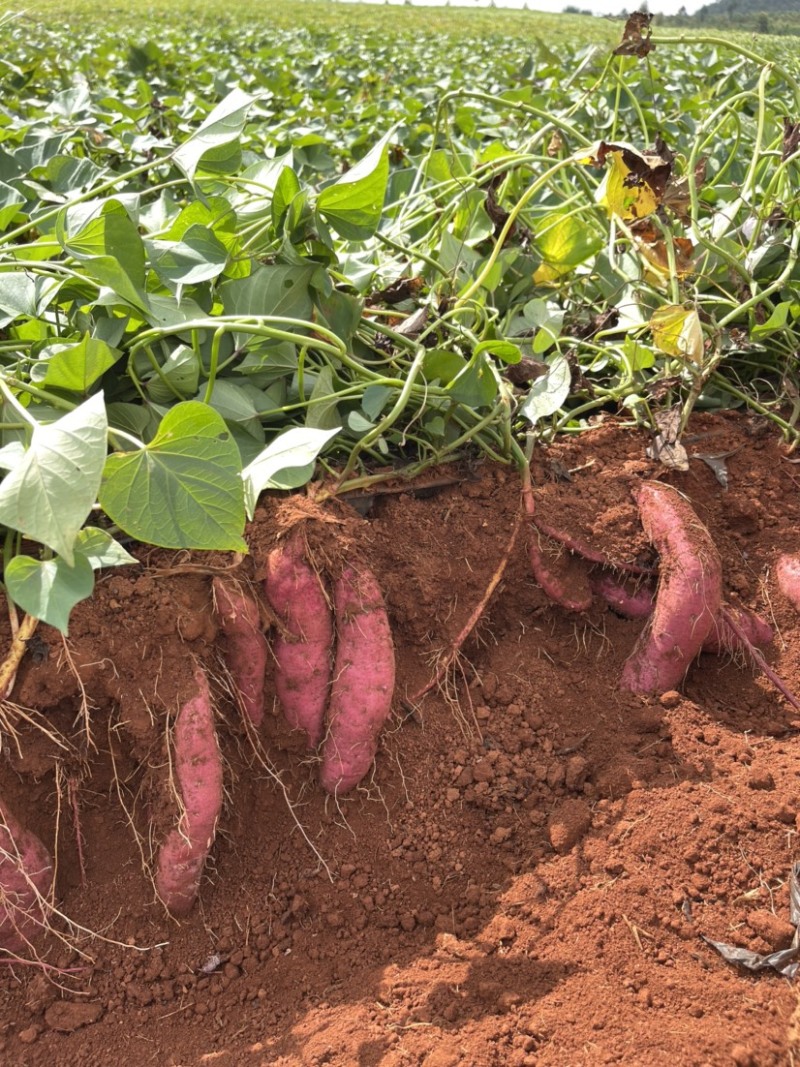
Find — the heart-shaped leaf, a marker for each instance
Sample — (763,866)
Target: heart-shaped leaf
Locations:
(184,489)
(49,589)
(50,492)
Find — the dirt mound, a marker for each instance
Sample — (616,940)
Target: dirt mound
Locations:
(526,877)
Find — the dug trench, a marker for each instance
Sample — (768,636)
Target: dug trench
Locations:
(526,875)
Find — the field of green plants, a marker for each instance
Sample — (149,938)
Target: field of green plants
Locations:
(239,253)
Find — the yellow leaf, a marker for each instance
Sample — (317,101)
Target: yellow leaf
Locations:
(678,332)
(627,202)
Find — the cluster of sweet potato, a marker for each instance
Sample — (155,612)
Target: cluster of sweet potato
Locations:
(335,675)
(682,603)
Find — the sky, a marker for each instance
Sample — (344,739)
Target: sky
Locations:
(598,7)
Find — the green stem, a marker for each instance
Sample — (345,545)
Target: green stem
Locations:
(388,420)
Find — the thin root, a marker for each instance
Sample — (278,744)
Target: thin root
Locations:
(451,656)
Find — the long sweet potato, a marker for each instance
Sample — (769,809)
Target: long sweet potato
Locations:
(689,593)
(632,603)
(26,877)
(303,652)
(198,770)
(787,571)
(562,576)
(363,680)
(246,646)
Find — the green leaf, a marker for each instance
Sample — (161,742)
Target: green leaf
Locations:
(110,249)
(184,489)
(322,412)
(286,189)
(278,290)
(77,367)
(476,385)
(353,204)
(181,370)
(442,365)
(49,494)
(549,392)
(100,549)
(223,126)
(776,322)
(10,202)
(298,447)
(504,350)
(374,400)
(49,590)
(199,257)
(564,242)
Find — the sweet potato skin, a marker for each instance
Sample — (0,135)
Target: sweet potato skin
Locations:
(26,875)
(689,593)
(303,652)
(562,576)
(363,680)
(630,603)
(246,646)
(639,604)
(787,572)
(198,773)
(722,638)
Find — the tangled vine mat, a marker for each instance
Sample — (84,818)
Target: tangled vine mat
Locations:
(525,879)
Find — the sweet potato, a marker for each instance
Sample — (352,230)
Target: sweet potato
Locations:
(303,651)
(198,770)
(689,593)
(363,680)
(246,647)
(753,632)
(562,576)
(639,603)
(787,571)
(632,603)
(26,876)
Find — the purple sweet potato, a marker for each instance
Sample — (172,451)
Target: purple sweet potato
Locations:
(246,646)
(631,602)
(562,576)
(26,877)
(749,631)
(363,680)
(303,651)
(753,631)
(198,772)
(689,593)
(787,571)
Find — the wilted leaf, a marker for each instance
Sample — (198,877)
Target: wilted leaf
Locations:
(636,36)
(564,241)
(635,182)
(791,137)
(652,246)
(677,332)
(666,448)
(398,291)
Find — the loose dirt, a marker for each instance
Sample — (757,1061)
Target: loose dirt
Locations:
(526,877)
